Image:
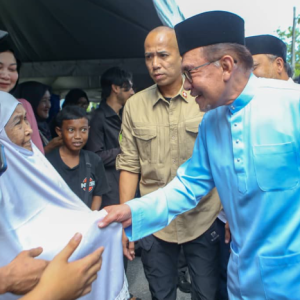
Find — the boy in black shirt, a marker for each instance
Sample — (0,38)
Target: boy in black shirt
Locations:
(74,164)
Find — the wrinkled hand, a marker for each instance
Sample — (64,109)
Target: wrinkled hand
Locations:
(67,281)
(128,247)
(227,233)
(117,213)
(24,272)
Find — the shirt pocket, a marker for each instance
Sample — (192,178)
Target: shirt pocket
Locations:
(146,139)
(281,276)
(276,166)
(190,132)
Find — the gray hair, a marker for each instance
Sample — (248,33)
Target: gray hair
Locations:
(239,53)
(287,67)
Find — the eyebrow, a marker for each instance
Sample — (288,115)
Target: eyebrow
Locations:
(13,64)
(16,118)
(159,52)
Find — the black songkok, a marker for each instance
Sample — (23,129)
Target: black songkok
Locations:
(266,44)
(209,28)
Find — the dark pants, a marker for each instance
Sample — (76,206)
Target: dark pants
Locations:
(182,264)
(160,260)
(224,257)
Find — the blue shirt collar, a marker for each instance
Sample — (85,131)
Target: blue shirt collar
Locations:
(246,96)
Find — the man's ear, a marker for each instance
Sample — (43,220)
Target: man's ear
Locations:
(227,64)
(115,88)
(58,131)
(279,64)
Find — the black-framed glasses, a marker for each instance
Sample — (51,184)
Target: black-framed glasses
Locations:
(188,75)
(127,86)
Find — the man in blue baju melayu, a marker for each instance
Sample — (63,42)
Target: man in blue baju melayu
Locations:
(248,148)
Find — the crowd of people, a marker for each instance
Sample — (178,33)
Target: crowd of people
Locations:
(219,211)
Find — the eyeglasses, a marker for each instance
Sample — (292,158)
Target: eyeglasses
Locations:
(188,75)
(127,87)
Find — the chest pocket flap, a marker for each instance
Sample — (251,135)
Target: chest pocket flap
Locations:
(276,166)
(147,143)
(189,135)
(192,125)
(144,134)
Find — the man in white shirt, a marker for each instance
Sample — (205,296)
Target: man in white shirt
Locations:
(269,57)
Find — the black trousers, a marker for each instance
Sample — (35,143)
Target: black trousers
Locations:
(160,261)
(224,258)
(182,264)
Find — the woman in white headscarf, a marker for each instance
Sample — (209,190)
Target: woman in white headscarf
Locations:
(39,209)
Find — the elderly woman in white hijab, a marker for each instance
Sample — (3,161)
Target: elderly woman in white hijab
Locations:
(39,209)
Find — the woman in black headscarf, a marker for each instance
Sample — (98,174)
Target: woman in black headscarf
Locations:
(38,95)
(77,97)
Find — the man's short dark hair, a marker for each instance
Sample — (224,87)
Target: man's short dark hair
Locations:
(71,113)
(116,76)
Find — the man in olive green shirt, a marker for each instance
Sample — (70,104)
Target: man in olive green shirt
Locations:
(160,125)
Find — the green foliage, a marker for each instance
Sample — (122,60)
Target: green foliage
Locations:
(286,36)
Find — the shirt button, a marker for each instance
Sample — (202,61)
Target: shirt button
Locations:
(232,107)
(173,137)
(235,124)
(237,141)
(238,160)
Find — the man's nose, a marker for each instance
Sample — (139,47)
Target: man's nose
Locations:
(155,62)
(187,85)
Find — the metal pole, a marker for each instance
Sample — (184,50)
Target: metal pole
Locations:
(293,61)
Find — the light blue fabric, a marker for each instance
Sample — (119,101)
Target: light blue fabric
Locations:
(250,152)
(169,12)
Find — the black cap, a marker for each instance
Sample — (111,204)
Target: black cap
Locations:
(209,28)
(266,44)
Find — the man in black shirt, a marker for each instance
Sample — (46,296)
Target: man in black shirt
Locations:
(76,166)
(103,139)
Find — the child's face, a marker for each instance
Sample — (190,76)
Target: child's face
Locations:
(74,133)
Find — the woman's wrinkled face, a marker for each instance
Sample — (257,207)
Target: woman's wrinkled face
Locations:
(8,71)
(18,128)
(44,106)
